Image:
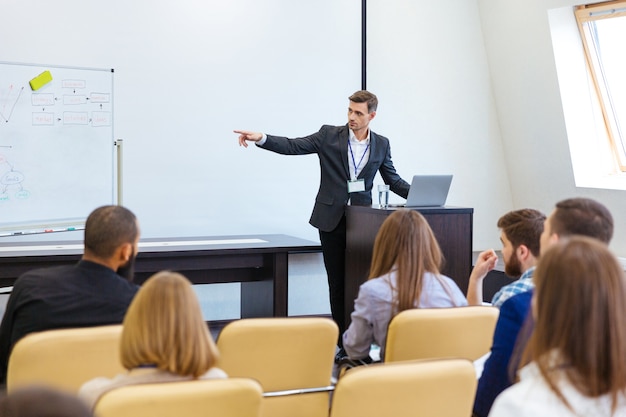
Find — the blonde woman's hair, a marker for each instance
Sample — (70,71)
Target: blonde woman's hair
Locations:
(406,242)
(580,305)
(164,327)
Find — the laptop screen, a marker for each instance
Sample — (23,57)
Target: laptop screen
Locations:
(428,190)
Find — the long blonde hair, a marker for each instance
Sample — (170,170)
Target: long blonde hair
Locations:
(406,242)
(164,327)
(580,305)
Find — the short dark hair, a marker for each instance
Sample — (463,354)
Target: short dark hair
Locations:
(523,227)
(364,96)
(109,227)
(582,216)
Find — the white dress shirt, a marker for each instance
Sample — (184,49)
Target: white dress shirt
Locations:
(533,397)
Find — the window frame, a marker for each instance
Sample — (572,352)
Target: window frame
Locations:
(584,15)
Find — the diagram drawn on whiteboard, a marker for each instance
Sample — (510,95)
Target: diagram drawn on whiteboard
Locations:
(11,182)
(9,99)
(56,142)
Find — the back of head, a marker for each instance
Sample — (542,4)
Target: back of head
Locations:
(164,327)
(42,402)
(109,227)
(580,302)
(364,96)
(405,241)
(523,227)
(582,216)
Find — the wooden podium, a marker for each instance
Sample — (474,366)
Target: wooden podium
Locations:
(452,227)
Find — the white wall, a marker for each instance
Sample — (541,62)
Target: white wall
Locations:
(189,72)
(465,86)
(523,72)
(427,63)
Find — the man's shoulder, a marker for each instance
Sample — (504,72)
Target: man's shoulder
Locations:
(378,137)
(333,130)
(127,286)
(60,277)
(42,276)
(519,302)
(522,296)
(510,290)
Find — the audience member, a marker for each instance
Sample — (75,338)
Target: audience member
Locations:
(95,291)
(520,232)
(38,401)
(164,339)
(578,344)
(404,274)
(575,216)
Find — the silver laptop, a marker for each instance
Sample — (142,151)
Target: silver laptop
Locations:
(428,191)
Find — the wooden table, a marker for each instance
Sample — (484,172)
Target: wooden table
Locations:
(258,262)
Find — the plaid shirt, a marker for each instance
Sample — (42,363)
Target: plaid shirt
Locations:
(523,284)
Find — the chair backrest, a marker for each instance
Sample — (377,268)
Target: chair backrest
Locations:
(283,354)
(424,333)
(442,388)
(232,397)
(65,358)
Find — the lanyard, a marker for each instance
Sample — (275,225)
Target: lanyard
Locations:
(356,167)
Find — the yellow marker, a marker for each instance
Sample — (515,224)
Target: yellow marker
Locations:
(40,80)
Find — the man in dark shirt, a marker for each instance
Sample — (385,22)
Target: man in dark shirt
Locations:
(96,291)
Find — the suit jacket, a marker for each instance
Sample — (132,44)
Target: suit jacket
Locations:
(496,376)
(330,144)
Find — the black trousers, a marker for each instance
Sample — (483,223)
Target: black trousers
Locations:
(334,251)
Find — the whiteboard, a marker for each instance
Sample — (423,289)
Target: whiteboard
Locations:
(56,146)
(187,74)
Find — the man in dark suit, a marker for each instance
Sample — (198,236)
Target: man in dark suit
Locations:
(95,291)
(350,156)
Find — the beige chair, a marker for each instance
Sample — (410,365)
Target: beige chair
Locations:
(233,397)
(423,333)
(65,358)
(292,358)
(441,388)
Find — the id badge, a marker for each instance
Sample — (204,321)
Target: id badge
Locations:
(356,186)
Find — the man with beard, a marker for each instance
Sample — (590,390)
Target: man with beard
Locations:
(520,233)
(95,291)
(350,157)
(574,216)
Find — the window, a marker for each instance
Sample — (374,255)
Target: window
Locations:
(603,29)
